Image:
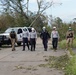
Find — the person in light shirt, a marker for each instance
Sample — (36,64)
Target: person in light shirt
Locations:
(33,38)
(25,39)
(54,38)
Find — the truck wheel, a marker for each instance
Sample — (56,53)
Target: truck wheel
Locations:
(19,43)
(0,45)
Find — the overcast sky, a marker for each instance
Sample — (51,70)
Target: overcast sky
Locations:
(66,11)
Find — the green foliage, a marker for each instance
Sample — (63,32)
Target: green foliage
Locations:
(62,44)
(62,31)
(74,43)
(57,22)
(20,21)
(40,22)
(17,20)
(71,67)
(48,28)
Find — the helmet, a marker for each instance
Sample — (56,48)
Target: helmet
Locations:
(33,29)
(44,27)
(54,27)
(69,27)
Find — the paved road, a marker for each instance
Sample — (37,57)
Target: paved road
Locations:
(26,62)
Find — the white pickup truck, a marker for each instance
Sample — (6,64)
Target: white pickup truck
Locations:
(4,37)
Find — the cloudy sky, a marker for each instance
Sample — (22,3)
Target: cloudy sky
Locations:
(66,11)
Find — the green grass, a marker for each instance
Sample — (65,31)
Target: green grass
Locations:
(64,63)
(62,44)
(74,43)
(70,69)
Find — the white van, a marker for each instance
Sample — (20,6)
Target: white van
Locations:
(4,37)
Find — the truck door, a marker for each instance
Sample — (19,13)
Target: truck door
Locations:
(19,35)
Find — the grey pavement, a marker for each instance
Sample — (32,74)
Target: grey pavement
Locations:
(26,62)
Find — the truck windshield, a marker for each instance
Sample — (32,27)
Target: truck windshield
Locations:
(9,30)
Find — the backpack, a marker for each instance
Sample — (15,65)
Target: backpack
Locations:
(12,34)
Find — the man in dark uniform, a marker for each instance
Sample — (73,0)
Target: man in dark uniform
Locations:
(44,36)
(13,39)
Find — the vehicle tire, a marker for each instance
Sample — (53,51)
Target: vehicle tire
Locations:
(0,45)
(19,43)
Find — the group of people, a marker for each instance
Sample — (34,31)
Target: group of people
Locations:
(30,38)
(54,38)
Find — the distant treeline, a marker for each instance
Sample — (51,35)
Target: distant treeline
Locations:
(7,21)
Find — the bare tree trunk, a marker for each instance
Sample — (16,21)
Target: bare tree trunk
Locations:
(27,6)
(41,9)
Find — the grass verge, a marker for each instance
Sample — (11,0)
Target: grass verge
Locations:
(70,68)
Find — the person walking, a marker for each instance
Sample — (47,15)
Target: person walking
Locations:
(33,38)
(13,39)
(25,38)
(69,38)
(54,38)
(44,36)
